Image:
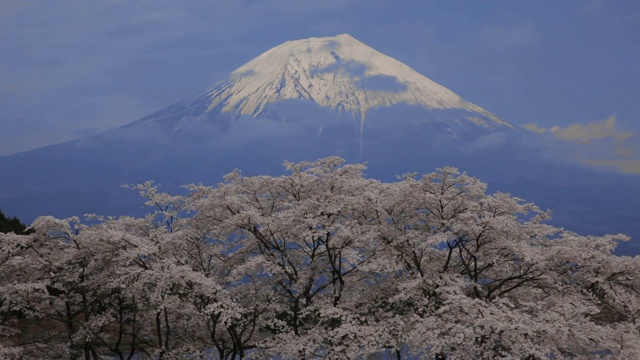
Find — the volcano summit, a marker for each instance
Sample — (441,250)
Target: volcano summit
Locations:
(339,73)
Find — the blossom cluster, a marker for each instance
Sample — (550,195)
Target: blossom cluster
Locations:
(320,263)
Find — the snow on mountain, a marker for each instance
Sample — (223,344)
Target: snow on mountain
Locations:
(337,72)
(311,97)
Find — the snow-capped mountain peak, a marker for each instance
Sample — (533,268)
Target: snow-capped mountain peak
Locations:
(339,72)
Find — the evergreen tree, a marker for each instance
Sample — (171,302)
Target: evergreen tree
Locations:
(12,224)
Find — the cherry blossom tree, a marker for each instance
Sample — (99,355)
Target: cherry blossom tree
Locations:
(320,263)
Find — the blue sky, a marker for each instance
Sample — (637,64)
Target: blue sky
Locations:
(72,68)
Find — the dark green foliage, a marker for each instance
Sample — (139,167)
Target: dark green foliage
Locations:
(12,224)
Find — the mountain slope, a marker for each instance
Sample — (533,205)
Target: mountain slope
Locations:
(340,73)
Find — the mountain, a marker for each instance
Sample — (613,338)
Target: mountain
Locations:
(340,73)
(303,100)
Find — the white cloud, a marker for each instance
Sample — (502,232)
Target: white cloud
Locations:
(535,128)
(600,143)
(586,133)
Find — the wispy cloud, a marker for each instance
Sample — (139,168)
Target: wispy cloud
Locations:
(614,145)
(535,128)
(586,133)
(628,166)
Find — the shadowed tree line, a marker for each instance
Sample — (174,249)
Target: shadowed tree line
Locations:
(12,224)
